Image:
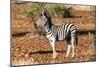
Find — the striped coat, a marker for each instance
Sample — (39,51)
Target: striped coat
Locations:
(62,32)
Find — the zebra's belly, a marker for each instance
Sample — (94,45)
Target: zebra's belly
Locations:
(60,38)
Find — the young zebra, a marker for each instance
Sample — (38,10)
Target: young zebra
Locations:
(55,33)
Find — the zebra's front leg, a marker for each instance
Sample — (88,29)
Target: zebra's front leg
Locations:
(54,54)
(52,42)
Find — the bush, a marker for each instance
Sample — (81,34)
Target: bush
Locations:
(59,11)
(34,10)
(55,10)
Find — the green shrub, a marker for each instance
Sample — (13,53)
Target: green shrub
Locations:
(55,10)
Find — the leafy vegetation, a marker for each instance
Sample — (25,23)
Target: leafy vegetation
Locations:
(54,10)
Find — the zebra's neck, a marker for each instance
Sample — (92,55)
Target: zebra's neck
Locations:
(48,28)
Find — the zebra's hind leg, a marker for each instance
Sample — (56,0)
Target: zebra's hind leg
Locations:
(68,50)
(73,46)
(68,40)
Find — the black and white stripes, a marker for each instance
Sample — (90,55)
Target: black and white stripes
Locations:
(60,32)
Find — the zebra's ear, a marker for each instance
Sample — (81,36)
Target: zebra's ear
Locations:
(45,13)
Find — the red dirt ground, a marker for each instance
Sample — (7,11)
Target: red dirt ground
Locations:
(25,50)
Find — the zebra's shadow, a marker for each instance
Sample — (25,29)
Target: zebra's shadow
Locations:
(52,60)
(44,52)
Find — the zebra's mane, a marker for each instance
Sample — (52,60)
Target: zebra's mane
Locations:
(47,15)
(49,21)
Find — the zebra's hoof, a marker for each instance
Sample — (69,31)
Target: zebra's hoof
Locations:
(54,55)
(66,56)
(72,56)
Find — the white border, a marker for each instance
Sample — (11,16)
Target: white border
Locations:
(4,33)
(87,2)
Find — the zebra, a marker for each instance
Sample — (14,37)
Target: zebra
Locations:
(55,33)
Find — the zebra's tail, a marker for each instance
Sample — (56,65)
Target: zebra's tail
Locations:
(76,39)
